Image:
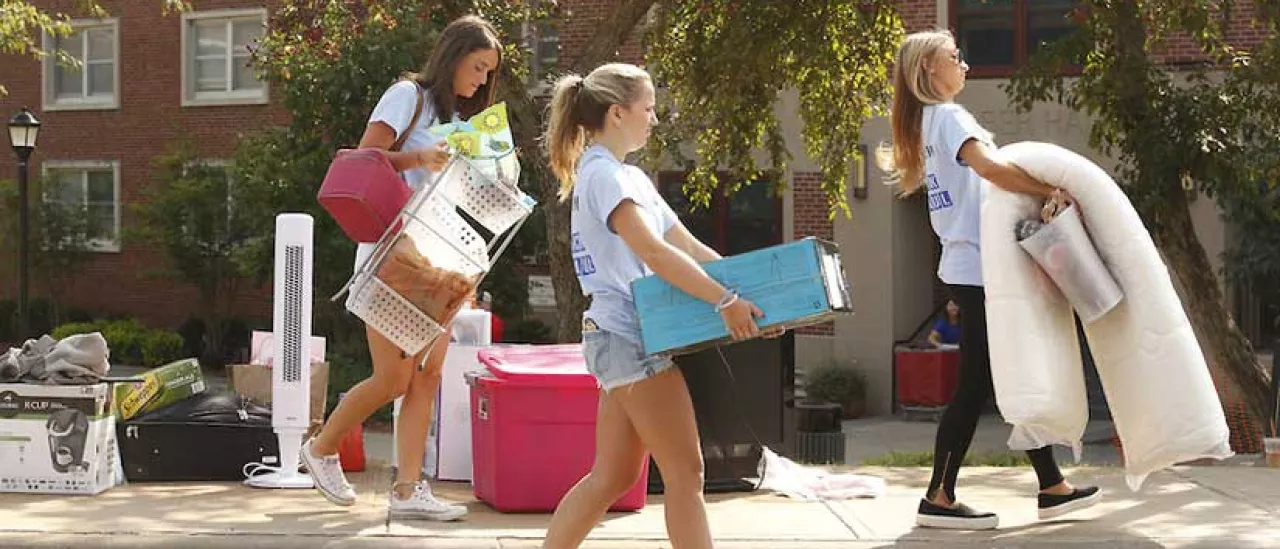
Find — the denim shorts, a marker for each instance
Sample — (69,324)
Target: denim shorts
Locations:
(616,361)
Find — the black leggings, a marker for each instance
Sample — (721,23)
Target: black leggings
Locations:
(973,391)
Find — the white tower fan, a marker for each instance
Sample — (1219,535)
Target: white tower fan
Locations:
(291,372)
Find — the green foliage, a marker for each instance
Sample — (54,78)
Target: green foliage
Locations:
(328,63)
(191,215)
(161,347)
(838,383)
(39,318)
(725,63)
(1211,124)
(349,364)
(528,331)
(129,341)
(60,240)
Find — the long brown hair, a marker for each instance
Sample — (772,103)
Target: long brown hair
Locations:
(578,108)
(912,90)
(464,35)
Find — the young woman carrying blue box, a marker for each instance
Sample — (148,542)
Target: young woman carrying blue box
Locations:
(624,230)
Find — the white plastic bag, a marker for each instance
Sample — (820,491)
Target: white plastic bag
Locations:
(796,481)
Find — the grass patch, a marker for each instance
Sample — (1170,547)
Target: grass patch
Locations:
(972,459)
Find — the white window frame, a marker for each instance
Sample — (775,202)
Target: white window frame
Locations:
(533,40)
(225,164)
(97,245)
(49,67)
(193,98)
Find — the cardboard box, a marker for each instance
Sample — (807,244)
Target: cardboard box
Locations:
(57,439)
(253,381)
(157,388)
(796,284)
(264,348)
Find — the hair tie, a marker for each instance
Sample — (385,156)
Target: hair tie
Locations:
(579,84)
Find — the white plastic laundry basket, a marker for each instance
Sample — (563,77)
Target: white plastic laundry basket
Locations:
(438,250)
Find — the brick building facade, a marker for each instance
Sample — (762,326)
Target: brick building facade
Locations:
(108,131)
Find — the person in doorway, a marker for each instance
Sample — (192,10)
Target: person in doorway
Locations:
(623,230)
(938,145)
(946,329)
(496,325)
(459,80)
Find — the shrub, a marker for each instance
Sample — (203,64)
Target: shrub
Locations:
(838,383)
(528,331)
(129,341)
(161,347)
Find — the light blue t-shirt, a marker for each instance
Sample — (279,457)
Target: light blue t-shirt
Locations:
(955,191)
(602,260)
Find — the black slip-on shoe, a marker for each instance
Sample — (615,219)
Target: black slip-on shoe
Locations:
(960,517)
(1052,506)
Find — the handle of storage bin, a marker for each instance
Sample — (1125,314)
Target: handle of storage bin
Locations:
(482,401)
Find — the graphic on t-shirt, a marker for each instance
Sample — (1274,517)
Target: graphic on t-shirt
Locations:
(939,198)
(583,265)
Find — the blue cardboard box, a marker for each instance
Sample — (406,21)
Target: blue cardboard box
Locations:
(796,284)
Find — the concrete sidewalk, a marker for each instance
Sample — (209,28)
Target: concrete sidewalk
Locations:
(1202,507)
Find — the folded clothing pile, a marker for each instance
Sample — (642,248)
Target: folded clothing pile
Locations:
(75,360)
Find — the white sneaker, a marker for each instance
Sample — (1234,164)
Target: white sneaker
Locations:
(326,471)
(422,504)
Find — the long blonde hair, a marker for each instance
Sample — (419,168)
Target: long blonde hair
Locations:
(578,108)
(912,90)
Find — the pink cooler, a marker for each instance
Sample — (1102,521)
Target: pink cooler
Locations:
(533,428)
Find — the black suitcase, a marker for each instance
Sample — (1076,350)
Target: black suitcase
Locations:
(205,437)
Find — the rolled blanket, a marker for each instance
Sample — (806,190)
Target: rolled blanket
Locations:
(1144,348)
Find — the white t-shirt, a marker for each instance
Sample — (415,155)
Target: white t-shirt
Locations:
(395,109)
(955,191)
(605,265)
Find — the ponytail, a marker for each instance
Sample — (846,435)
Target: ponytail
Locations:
(565,138)
(578,108)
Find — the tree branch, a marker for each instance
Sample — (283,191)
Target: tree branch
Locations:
(610,35)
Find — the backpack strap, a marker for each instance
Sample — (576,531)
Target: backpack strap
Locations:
(417,113)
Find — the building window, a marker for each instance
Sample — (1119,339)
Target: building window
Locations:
(215,60)
(1257,312)
(92,188)
(94,83)
(998,36)
(544,44)
(217,171)
(749,220)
